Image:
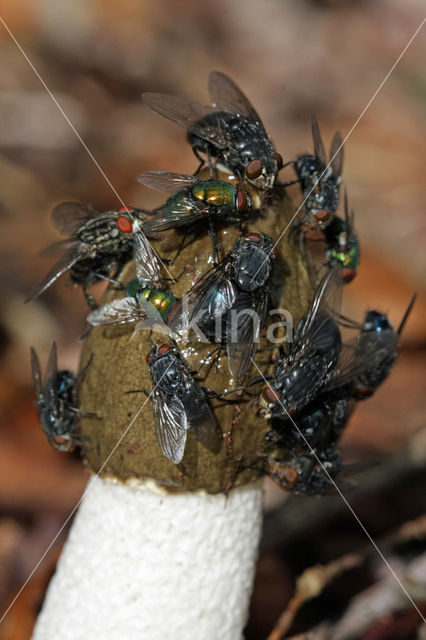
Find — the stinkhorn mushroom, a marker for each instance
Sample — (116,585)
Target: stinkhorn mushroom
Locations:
(163,550)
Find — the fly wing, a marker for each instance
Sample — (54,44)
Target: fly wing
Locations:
(336,154)
(51,375)
(225,95)
(201,420)
(171,425)
(179,215)
(57,249)
(122,311)
(326,304)
(75,251)
(318,145)
(359,356)
(68,217)
(167,181)
(36,371)
(147,264)
(188,114)
(214,293)
(241,344)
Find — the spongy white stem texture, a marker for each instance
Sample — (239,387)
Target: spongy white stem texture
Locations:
(143,565)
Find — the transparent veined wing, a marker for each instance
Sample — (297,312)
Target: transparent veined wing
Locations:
(201,420)
(336,154)
(325,305)
(74,252)
(318,145)
(36,371)
(243,340)
(51,376)
(171,425)
(211,296)
(225,94)
(190,115)
(147,264)
(121,311)
(182,213)
(68,217)
(360,355)
(167,181)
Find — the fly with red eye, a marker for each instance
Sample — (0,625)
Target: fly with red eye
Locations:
(320,179)
(230,131)
(193,201)
(98,245)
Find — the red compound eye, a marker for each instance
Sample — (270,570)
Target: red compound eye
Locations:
(254,169)
(291,476)
(163,349)
(270,395)
(241,202)
(252,236)
(148,358)
(124,224)
(278,159)
(322,215)
(348,274)
(275,252)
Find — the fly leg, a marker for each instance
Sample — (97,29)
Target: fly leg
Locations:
(89,299)
(139,391)
(207,360)
(116,283)
(182,245)
(201,160)
(215,252)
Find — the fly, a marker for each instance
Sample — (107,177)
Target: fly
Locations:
(193,200)
(228,305)
(368,359)
(230,130)
(342,244)
(179,404)
(147,300)
(320,183)
(99,244)
(55,401)
(300,374)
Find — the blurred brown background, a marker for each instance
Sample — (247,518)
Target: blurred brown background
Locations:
(292,59)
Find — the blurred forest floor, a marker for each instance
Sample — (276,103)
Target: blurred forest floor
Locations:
(292,59)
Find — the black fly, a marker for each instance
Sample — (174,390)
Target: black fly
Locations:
(303,371)
(368,359)
(230,131)
(228,305)
(56,400)
(320,183)
(179,404)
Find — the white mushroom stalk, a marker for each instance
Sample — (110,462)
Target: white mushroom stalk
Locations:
(141,563)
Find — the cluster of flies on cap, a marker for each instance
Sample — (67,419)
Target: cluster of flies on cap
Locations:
(315,382)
